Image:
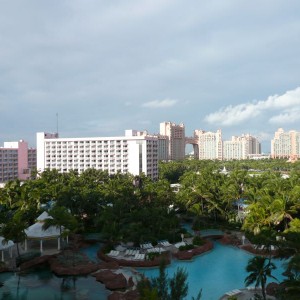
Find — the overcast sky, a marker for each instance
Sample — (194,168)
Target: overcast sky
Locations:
(105,66)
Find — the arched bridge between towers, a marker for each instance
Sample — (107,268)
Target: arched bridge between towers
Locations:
(194,142)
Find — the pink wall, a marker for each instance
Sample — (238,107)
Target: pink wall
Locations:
(23,160)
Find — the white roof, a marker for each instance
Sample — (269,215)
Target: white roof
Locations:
(36,230)
(44,216)
(5,245)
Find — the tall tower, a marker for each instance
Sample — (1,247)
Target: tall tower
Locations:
(175,139)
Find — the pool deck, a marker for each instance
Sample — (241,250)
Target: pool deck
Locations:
(246,294)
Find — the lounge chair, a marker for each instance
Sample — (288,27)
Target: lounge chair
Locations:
(167,244)
(177,245)
(113,253)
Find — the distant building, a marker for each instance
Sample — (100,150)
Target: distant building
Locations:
(173,137)
(210,145)
(163,147)
(135,153)
(16,161)
(285,144)
(241,147)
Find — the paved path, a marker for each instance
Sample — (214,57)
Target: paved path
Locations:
(247,294)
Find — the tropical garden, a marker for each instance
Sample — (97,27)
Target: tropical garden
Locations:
(261,198)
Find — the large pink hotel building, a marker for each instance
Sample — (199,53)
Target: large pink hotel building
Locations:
(16,161)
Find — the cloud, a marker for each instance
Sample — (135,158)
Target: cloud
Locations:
(160,103)
(288,116)
(287,104)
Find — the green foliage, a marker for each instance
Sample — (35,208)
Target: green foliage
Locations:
(152,255)
(178,285)
(14,229)
(198,241)
(260,268)
(186,247)
(164,288)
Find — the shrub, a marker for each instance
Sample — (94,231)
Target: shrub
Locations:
(152,255)
(107,248)
(198,241)
(186,247)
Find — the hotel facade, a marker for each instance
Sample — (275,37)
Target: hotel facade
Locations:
(135,153)
(285,144)
(241,147)
(16,161)
(210,145)
(172,141)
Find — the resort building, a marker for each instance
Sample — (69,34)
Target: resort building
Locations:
(210,145)
(16,161)
(285,144)
(163,147)
(135,153)
(241,147)
(175,140)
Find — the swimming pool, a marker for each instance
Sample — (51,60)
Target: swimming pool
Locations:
(216,272)
(43,284)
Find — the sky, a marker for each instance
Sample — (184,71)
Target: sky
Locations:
(97,67)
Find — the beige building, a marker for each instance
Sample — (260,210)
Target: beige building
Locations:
(241,147)
(174,136)
(285,144)
(210,145)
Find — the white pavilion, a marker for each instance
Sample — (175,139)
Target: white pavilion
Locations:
(36,232)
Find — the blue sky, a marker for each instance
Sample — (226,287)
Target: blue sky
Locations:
(106,66)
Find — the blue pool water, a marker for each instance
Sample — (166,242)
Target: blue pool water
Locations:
(210,232)
(91,252)
(203,233)
(216,272)
(42,284)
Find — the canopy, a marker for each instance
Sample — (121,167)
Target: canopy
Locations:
(36,230)
(5,245)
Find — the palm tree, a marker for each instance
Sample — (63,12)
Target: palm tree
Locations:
(291,286)
(260,268)
(14,230)
(62,219)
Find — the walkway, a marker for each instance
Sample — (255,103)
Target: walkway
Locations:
(246,294)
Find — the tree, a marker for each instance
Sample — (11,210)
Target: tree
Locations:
(161,282)
(291,286)
(178,285)
(260,268)
(62,219)
(14,229)
(164,288)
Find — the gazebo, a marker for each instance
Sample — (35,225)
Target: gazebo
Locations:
(4,245)
(36,232)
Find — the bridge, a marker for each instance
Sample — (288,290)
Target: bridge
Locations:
(193,141)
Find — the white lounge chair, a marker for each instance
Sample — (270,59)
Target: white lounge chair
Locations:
(177,245)
(113,253)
